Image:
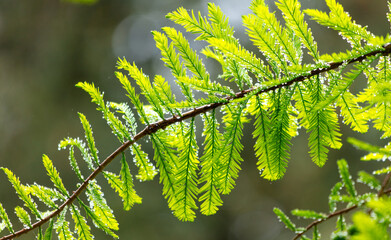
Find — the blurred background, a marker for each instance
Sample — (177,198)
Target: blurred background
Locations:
(47,46)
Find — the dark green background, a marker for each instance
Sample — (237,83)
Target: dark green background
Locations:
(47,46)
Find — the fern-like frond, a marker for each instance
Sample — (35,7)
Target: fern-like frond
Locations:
(166,160)
(89,138)
(323,126)
(115,124)
(146,170)
(207,87)
(24,195)
(171,60)
(294,19)
(235,72)
(262,134)
(265,41)
(352,113)
(280,133)
(129,194)
(62,226)
(190,57)
(99,206)
(46,195)
(82,229)
(127,115)
(242,56)
(193,24)
(186,176)
(286,41)
(54,175)
(210,197)
(343,84)
(98,222)
(76,142)
(346,177)
(229,156)
(49,230)
(340,20)
(217,26)
(5,218)
(143,81)
(23,216)
(134,98)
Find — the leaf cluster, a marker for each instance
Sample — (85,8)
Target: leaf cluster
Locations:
(281,92)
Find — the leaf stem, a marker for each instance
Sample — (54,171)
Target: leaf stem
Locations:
(152,128)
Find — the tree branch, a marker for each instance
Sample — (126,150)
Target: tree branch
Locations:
(192,113)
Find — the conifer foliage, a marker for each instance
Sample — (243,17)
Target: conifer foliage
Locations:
(275,87)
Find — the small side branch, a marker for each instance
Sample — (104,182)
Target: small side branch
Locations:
(382,191)
(151,129)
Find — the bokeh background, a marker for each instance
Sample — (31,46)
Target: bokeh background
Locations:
(47,46)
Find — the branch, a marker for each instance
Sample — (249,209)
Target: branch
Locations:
(160,125)
(381,192)
(331,215)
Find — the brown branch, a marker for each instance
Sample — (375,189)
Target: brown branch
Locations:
(192,113)
(331,215)
(384,184)
(381,192)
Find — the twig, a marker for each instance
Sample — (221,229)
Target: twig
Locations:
(384,185)
(192,113)
(381,192)
(331,215)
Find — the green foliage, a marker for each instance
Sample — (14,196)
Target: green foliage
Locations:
(363,225)
(278,89)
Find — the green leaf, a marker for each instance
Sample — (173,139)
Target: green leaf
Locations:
(280,133)
(191,60)
(244,57)
(210,197)
(262,134)
(265,40)
(308,214)
(323,125)
(334,193)
(99,206)
(340,21)
(23,216)
(346,177)
(81,227)
(127,115)
(48,232)
(186,176)
(369,180)
(134,98)
(166,159)
(129,195)
(54,175)
(89,138)
(80,144)
(62,226)
(285,219)
(146,170)
(368,228)
(171,60)
(294,19)
(23,195)
(229,156)
(46,195)
(6,220)
(98,222)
